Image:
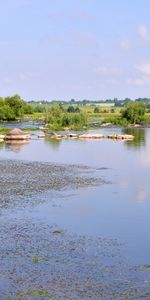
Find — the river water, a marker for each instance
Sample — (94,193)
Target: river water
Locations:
(119,210)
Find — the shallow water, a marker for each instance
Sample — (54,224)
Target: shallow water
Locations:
(119,210)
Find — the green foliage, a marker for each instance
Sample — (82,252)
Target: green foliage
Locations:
(146,118)
(28,109)
(54,116)
(6,113)
(96,110)
(112,110)
(134,112)
(57,119)
(4,130)
(72,109)
(13,107)
(16,104)
(116,120)
(39,108)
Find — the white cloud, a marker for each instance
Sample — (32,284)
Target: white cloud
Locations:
(144,68)
(125,44)
(144,33)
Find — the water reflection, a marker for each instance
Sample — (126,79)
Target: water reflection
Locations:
(16,146)
(53,143)
(139,137)
(2,145)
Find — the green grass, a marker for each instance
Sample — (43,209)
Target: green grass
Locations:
(4,130)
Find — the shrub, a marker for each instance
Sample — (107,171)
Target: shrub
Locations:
(134,112)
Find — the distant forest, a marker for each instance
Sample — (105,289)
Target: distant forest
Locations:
(115,101)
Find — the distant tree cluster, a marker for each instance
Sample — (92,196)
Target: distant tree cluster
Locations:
(13,107)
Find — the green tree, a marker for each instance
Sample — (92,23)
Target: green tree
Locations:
(134,112)
(27,108)
(16,104)
(54,116)
(6,113)
(39,108)
(77,109)
(71,109)
(2,101)
(96,110)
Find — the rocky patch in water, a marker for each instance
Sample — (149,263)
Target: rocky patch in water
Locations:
(26,180)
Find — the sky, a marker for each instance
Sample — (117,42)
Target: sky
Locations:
(80,49)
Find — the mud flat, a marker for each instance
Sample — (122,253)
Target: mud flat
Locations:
(43,261)
(39,262)
(25,180)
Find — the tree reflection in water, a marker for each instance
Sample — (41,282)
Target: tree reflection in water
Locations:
(139,137)
(2,145)
(53,143)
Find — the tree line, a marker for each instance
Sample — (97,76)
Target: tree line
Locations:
(117,102)
(57,115)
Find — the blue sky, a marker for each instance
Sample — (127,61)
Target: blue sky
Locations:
(82,49)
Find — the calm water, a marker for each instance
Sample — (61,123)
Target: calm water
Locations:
(119,210)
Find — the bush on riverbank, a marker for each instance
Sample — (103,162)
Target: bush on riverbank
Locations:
(117,121)
(56,118)
(133,113)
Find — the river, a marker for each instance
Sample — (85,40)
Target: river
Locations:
(118,210)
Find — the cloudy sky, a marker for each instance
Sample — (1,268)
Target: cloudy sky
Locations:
(82,49)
